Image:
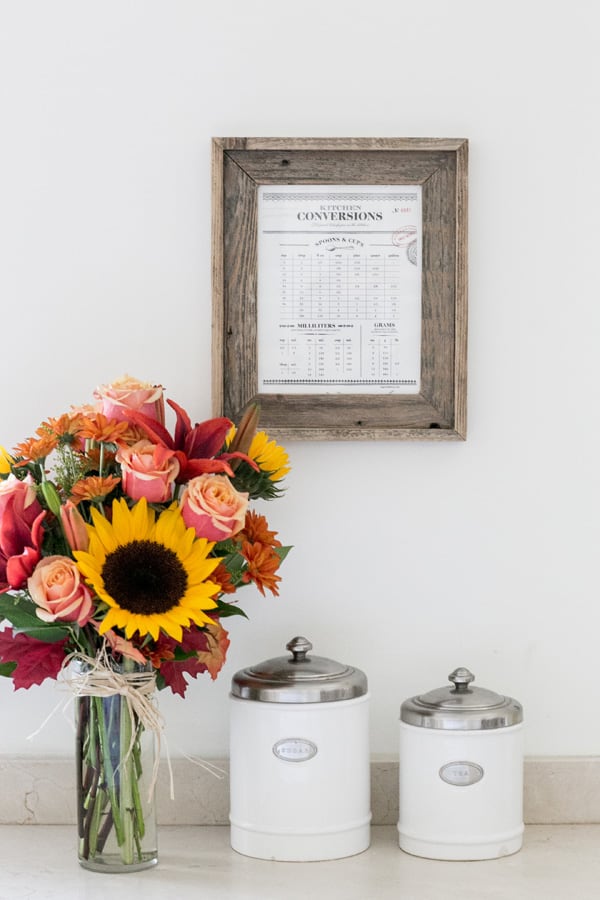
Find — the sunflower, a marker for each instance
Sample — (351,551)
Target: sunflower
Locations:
(269,456)
(151,572)
(6,461)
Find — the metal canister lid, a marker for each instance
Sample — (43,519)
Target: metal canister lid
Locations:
(461,707)
(299,678)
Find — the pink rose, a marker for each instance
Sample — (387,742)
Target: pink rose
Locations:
(74,527)
(148,470)
(21,532)
(57,589)
(127,394)
(213,508)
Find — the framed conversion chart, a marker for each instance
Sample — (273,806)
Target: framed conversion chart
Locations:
(339,282)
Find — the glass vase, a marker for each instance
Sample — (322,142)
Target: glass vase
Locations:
(115,758)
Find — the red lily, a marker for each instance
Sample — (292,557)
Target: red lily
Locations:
(195,447)
(20,544)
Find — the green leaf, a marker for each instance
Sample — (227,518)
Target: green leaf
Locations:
(7,668)
(257,484)
(235,564)
(10,607)
(229,609)
(224,548)
(282,552)
(179,654)
(25,621)
(234,560)
(45,631)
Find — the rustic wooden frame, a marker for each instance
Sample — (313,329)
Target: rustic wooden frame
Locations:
(439,165)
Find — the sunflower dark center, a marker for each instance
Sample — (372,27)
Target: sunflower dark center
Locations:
(144,577)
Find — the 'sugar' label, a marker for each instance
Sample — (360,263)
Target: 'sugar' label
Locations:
(295,749)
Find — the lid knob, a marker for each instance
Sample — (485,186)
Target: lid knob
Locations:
(461,679)
(299,647)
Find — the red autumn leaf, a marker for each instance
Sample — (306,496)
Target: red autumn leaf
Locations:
(209,648)
(36,660)
(174,671)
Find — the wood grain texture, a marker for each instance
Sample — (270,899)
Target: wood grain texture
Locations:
(437,339)
(339,166)
(440,166)
(217,276)
(461,292)
(239,293)
(339,143)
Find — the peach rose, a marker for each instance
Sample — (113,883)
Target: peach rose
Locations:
(213,508)
(57,588)
(127,394)
(148,470)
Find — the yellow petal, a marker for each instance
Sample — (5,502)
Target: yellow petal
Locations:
(6,461)
(102,533)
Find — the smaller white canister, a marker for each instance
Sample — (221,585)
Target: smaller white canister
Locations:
(299,758)
(461,773)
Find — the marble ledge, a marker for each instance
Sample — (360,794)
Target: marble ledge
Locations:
(41,791)
(557,861)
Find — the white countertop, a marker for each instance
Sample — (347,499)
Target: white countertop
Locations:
(557,862)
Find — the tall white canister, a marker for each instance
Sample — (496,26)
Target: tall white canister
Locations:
(461,772)
(299,758)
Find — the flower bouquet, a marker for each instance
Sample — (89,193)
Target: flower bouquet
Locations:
(122,547)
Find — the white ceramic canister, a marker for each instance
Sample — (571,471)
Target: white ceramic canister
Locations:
(461,773)
(299,758)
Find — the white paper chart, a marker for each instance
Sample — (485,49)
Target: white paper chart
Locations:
(339,288)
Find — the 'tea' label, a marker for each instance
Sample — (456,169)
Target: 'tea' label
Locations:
(461,773)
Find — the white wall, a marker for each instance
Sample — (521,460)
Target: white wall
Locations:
(410,558)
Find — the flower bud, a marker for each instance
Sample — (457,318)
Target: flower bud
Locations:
(50,495)
(73,526)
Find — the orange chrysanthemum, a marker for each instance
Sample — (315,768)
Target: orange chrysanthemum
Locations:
(67,425)
(35,449)
(256,528)
(263,562)
(95,458)
(106,431)
(222,577)
(159,655)
(93,488)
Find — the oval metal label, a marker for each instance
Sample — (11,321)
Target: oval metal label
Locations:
(461,773)
(295,749)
